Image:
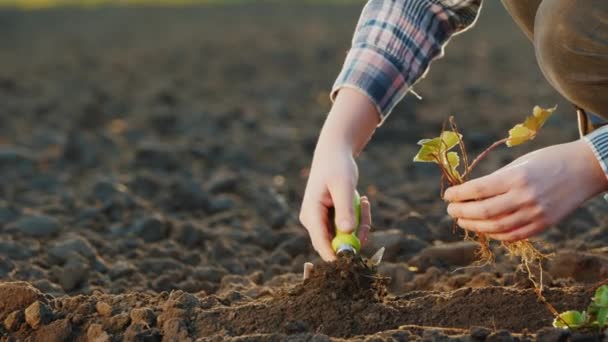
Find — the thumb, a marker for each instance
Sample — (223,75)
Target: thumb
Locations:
(343,197)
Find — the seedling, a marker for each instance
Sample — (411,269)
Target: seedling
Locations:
(596,315)
(439,151)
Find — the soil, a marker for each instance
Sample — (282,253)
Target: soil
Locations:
(153,162)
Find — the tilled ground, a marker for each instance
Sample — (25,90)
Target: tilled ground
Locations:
(153,161)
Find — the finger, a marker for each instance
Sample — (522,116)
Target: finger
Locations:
(519,233)
(500,224)
(480,188)
(485,209)
(366,220)
(343,197)
(366,211)
(317,226)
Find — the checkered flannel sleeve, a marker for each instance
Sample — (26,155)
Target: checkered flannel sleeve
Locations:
(394,43)
(598,140)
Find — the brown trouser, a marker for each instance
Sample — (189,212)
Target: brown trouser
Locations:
(570,39)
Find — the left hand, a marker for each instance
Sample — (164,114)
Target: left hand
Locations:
(530,194)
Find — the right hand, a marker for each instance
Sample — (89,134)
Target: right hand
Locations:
(333,174)
(332,182)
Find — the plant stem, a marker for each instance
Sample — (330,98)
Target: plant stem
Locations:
(463,150)
(483,155)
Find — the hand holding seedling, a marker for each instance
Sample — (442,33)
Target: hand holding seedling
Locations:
(333,174)
(530,194)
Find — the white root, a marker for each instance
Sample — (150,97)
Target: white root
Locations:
(308,267)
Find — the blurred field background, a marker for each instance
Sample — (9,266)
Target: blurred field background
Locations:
(38,4)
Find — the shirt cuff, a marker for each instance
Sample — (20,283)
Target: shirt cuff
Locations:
(598,141)
(375,75)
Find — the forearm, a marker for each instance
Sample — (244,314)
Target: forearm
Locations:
(350,123)
(394,44)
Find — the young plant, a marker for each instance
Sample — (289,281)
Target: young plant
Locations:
(596,315)
(439,151)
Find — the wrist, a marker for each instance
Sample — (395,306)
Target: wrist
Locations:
(593,174)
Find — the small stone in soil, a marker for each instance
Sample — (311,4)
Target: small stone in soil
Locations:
(156,156)
(121,269)
(552,335)
(151,229)
(7,214)
(187,194)
(16,158)
(14,320)
(38,314)
(190,235)
(35,226)
(72,274)
(225,181)
(222,203)
(479,333)
(97,334)
(500,336)
(119,322)
(144,316)
(175,329)
(103,308)
(66,249)
(15,250)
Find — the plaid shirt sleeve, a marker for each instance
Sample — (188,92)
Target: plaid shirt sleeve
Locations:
(394,43)
(598,140)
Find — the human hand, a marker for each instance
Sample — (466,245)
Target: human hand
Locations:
(530,194)
(334,174)
(332,183)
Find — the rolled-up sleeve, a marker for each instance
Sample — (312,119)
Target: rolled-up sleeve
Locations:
(394,43)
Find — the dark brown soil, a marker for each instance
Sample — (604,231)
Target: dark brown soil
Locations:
(335,301)
(153,161)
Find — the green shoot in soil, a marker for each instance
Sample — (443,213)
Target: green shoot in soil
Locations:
(596,315)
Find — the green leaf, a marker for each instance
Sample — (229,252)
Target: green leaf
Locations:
(435,142)
(527,130)
(602,316)
(572,319)
(427,154)
(453,160)
(449,139)
(436,151)
(593,309)
(433,149)
(601,297)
